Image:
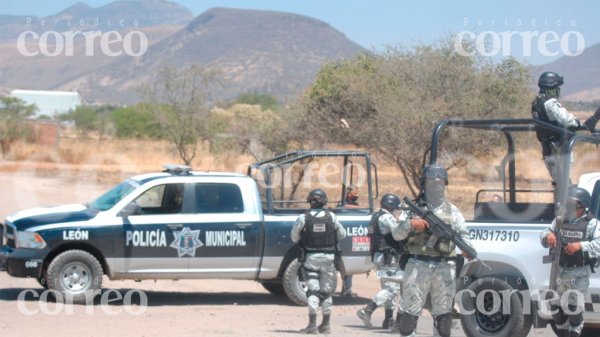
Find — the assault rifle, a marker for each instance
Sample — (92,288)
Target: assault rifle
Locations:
(439,229)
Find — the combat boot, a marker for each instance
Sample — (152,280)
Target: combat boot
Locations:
(311,328)
(395,328)
(324,328)
(365,314)
(388,320)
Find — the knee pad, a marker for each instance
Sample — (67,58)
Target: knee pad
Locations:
(408,323)
(323,296)
(310,293)
(443,324)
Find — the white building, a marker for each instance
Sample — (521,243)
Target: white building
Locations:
(49,103)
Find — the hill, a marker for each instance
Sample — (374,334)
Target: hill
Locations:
(263,51)
(581,73)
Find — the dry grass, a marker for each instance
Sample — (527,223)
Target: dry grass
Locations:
(112,160)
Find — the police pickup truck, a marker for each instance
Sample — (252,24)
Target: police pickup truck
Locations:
(506,234)
(181,224)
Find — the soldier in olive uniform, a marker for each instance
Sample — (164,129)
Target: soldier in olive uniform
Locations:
(581,237)
(318,231)
(430,271)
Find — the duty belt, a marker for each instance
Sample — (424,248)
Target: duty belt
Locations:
(429,258)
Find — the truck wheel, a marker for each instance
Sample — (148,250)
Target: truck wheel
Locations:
(75,274)
(294,289)
(479,323)
(274,288)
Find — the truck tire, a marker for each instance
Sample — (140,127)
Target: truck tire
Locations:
(294,289)
(480,324)
(275,288)
(75,274)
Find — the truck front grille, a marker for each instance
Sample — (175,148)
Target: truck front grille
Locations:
(10,235)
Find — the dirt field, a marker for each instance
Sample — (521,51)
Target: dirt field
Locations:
(175,308)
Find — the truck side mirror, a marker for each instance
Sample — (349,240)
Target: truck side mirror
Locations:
(130,209)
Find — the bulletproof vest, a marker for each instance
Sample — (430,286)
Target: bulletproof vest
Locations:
(574,231)
(319,233)
(380,242)
(538,111)
(417,240)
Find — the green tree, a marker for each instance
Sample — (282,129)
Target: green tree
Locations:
(388,103)
(135,121)
(91,119)
(13,115)
(264,100)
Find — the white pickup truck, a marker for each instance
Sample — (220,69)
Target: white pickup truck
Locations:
(506,235)
(180,224)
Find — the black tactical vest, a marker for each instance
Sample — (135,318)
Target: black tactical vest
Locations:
(380,242)
(574,232)
(319,233)
(538,111)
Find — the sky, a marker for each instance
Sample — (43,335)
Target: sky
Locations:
(532,31)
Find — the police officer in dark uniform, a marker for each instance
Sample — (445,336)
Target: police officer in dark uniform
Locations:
(386,253)
(318,231)
(547,108)
(580,235)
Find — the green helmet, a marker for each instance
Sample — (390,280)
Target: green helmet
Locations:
(580,195)
(317,197)
(390,201)
(550,79)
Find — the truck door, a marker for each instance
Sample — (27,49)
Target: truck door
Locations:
(229,226)
(151,248)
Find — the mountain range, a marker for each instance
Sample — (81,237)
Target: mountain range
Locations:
(256,51)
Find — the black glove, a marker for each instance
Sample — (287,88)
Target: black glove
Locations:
(590,123)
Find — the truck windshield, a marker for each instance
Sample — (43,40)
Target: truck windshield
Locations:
(110,198)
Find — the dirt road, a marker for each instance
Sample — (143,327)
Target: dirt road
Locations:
(174,308)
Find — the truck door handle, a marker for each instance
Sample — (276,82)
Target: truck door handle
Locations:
(174,226)
(243,225)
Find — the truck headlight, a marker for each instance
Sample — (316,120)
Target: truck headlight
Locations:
(30,240)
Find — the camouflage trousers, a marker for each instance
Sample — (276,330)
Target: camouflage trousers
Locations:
(320,281)
(422,278)
(572,285)
(390,290)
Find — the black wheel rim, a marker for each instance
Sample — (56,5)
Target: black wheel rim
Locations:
(494,322)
